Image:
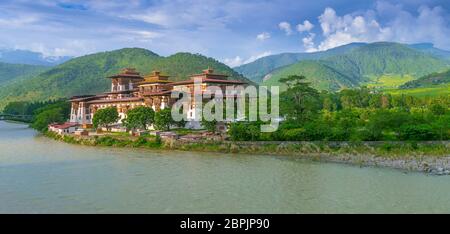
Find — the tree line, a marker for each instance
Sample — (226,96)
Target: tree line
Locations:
(351,115)
(309,115)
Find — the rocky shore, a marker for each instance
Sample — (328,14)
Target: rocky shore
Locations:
(431,157)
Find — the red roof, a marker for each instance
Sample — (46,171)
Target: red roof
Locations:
(131,99)
(86,97)
(162,93)
(123,91)
(128,73)
(64,125)
(132,76)
(236,82)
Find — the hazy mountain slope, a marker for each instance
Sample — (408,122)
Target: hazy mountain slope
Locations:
(87,74)
(362,63)
(30,58)
(429,80)
(320,75)
(430,49)
(256,70)
(11,72)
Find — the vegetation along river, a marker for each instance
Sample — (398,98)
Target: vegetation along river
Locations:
(40,175)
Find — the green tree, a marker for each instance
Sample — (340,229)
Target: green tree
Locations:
(139,117)
(245,131)
(442,127)
(300,101)
(163,119)
(105,117)
(438,109)
(43,119)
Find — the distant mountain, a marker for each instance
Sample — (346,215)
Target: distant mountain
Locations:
(361,64)
(30,58)
(256,70)
(87,74)
(430,49)
(11,72)
(437,78)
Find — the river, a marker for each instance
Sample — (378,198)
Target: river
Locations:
(40,175)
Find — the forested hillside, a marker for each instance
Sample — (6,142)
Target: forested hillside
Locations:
(320,76)
(10,72)
(258,69)
(362,65)
(437,78)
(86,74)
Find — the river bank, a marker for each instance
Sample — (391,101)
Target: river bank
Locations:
(428,157)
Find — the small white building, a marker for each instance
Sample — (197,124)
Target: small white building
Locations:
(65,128)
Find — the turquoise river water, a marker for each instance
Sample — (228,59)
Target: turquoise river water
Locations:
(40,175)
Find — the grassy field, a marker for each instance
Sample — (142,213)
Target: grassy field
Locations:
(388,81)
(431,91)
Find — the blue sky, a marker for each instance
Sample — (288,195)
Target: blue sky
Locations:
(233,31)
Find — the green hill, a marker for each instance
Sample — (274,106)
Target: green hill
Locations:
(386,58)
(257,70)
(363,65)
(432,79)
(10,72)
(320,75)
(86,74)
(430,49)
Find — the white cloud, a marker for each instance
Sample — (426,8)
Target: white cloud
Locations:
(233,62)
(237,61)
(429,25)
(286,27)
(158,18)
(18,21)
(67,48)
(142,35)
(305,27)
(308,43)
(263,36)
(341,30)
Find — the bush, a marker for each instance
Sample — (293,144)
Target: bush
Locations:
(245,131)
(417,132)
(296,134)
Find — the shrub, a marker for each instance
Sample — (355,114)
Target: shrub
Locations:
(417,132)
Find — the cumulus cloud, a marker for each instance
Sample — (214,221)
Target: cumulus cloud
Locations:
(238,61)
(341,30)
(286,27)
(263,36)
(308,43)
(305,27)
(430,24)
(233,62)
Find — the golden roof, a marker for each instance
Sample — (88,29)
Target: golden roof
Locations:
(155,77)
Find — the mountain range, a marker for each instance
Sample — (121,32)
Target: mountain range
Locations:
(381,64)
(87,74)
(350,65)
(30,58)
